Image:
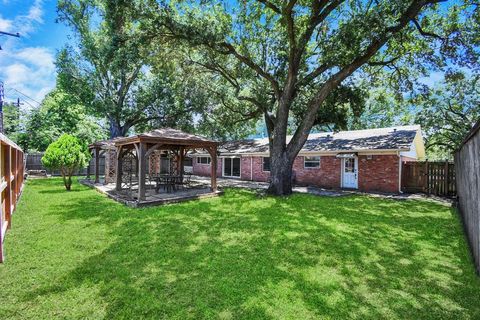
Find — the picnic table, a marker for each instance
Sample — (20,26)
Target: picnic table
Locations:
(168,181)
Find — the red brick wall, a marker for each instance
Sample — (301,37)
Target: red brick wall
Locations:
(205,169)
(258,173)
(326,176)
(378,174)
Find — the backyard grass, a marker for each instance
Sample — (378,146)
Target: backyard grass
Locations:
(240,256)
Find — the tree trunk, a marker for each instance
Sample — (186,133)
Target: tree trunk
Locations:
(117,130)
(280,174)
(67,181)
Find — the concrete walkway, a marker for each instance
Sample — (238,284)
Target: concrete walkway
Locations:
(236,183)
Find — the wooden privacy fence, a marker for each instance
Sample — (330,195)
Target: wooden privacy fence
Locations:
(467,160)
(12,174)
(436,178)
(34,162)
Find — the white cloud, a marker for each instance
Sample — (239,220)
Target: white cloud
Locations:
(5,24)
(38,56)
(30,70)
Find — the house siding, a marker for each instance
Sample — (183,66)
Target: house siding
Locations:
(379,173)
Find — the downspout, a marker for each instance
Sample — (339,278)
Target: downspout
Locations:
(399,172)
(251,168)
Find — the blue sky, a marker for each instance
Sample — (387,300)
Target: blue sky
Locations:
(27,63)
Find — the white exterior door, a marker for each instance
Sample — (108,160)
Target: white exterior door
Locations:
(350,173)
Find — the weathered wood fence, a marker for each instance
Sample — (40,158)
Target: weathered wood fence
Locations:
(12,175)
(467,160)
(34,162)
(436,178)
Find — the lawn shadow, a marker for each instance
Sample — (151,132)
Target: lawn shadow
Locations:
(241,256)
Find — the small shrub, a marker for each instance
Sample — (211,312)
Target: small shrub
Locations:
(66,154)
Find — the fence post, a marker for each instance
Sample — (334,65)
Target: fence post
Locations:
(446,178)
(426,188)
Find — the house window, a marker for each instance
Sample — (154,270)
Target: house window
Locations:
(266,163)
(311,162)
(203,160)
(187,162)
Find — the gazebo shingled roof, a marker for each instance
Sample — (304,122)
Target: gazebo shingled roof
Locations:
(166,136)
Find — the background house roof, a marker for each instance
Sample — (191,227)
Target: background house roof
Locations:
(393,138)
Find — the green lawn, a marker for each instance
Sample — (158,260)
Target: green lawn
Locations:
(240,256)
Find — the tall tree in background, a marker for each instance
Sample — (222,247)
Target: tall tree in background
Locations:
(447,112)
(60,113)
(107,63)
(117,72)
(279,56)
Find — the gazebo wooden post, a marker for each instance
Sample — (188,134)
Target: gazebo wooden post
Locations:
(88,167)
(118,169)
(213,166)
(180,162)
(142,170)
(97,164)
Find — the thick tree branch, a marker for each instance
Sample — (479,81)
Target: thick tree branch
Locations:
(301,134)
(270,5)
(312,75)
(249,62)
(426,33)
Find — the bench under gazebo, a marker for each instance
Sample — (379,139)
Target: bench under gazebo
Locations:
(136,172)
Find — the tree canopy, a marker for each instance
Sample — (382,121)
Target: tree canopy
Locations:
(66,154)
(280,59)
(60,113)
(120,73)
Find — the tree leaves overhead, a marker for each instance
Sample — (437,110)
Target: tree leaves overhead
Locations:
(286,58)
(118,72)
(448,111)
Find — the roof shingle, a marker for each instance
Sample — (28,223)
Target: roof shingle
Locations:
(394,138)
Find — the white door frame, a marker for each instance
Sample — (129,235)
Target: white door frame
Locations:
(355,172)
(223,167)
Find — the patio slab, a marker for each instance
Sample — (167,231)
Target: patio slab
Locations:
(128,197)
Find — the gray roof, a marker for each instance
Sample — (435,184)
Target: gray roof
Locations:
(394,138)
(161,134)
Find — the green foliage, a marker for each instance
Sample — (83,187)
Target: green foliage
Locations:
(13,123)
(120,74)
(66,154)
(238,256)
(447,112)
(60,113)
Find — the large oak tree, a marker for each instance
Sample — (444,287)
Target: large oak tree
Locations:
(280,57)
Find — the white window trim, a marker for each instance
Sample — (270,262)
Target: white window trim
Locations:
(204,164)
(264,167)
(309,168)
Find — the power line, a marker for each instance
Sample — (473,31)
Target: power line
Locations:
(3,33)
(23,94)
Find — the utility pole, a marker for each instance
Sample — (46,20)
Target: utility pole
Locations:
(2,98)
(3,33)
(2,91)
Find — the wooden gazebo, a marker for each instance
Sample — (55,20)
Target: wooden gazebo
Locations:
(141,146)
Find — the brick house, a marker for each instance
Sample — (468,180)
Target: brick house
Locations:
(367,160)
